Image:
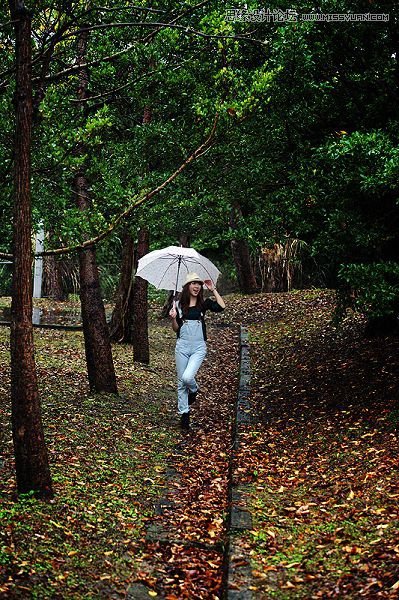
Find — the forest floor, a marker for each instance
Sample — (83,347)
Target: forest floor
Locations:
(141,509)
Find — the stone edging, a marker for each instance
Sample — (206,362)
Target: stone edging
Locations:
(238,568)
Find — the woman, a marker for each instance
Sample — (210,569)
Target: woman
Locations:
(189,324)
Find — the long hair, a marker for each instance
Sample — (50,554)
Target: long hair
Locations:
(185,299)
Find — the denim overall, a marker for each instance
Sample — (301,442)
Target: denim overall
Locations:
(190,352)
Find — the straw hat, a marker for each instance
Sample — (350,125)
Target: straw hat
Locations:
(193,277)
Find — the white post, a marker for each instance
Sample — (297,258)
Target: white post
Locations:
(38,273)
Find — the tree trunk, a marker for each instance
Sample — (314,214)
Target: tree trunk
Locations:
(139,328)
(100,365)
(184,240)
(141,348)
(241,256)
(31,459)
(123,322)
(120,329)
(52,282)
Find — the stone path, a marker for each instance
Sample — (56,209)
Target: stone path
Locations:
(189,547)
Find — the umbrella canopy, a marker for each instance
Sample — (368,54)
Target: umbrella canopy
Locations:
(167,268)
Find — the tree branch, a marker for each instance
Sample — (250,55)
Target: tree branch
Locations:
(128,7)
(125,214)
(197,153)
(93,63)
(171,25)
(131,82)
(6,24)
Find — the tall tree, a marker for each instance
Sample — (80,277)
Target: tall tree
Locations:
(31,459)
(141,346)
(241,255)
(120,325)
(52,280)
(100,366)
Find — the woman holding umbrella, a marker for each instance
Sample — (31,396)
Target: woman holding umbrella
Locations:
(189,324)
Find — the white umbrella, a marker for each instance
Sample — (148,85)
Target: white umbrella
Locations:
(167,268)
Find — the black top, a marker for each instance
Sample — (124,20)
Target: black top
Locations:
(196,314)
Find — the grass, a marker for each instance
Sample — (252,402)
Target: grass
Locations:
(108,458)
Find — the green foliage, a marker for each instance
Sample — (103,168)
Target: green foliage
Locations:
(376,285)
(5,278)
(307,141)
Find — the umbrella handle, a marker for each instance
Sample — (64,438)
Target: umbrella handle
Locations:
(177,279)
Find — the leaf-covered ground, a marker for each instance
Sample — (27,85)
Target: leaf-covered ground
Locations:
(141,509)
(115,462)
(108,458)
(320,459)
